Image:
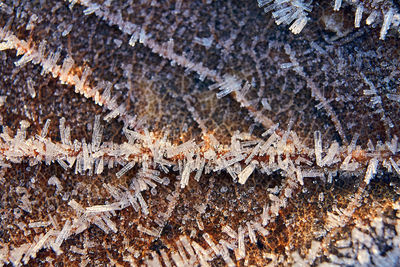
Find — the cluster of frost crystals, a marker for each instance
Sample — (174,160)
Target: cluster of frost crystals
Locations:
(139,187)
(381,12)
(293,12)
